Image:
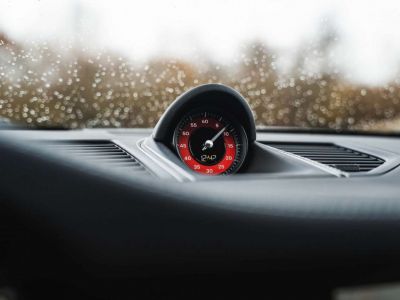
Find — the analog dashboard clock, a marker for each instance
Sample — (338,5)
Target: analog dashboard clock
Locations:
(209,129)
(210,143)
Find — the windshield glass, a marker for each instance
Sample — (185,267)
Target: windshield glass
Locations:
(310,64)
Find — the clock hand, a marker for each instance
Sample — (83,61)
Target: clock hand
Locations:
(210,143)
(218,134)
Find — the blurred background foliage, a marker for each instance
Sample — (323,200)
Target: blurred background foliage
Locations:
(41,86)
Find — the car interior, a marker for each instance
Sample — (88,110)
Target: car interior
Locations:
(215,189)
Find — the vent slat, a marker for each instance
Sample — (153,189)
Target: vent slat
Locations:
(100,156)
(110,159)
(354,163)
(101,153)
(102,149)
(352,160)
(332,156)
(335,156)
(97,152)
(74,148)
(86,150)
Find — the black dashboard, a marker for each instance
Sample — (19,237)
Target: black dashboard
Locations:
(118,204)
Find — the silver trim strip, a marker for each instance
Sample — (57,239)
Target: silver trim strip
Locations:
(333,171)
(164,163)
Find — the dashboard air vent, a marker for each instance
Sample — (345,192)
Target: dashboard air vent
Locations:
(102,153)
(344,159)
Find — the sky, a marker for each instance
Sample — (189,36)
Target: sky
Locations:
(367,49)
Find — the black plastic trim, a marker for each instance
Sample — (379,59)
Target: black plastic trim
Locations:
(215,96)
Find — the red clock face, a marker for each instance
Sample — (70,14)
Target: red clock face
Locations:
(209,144)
